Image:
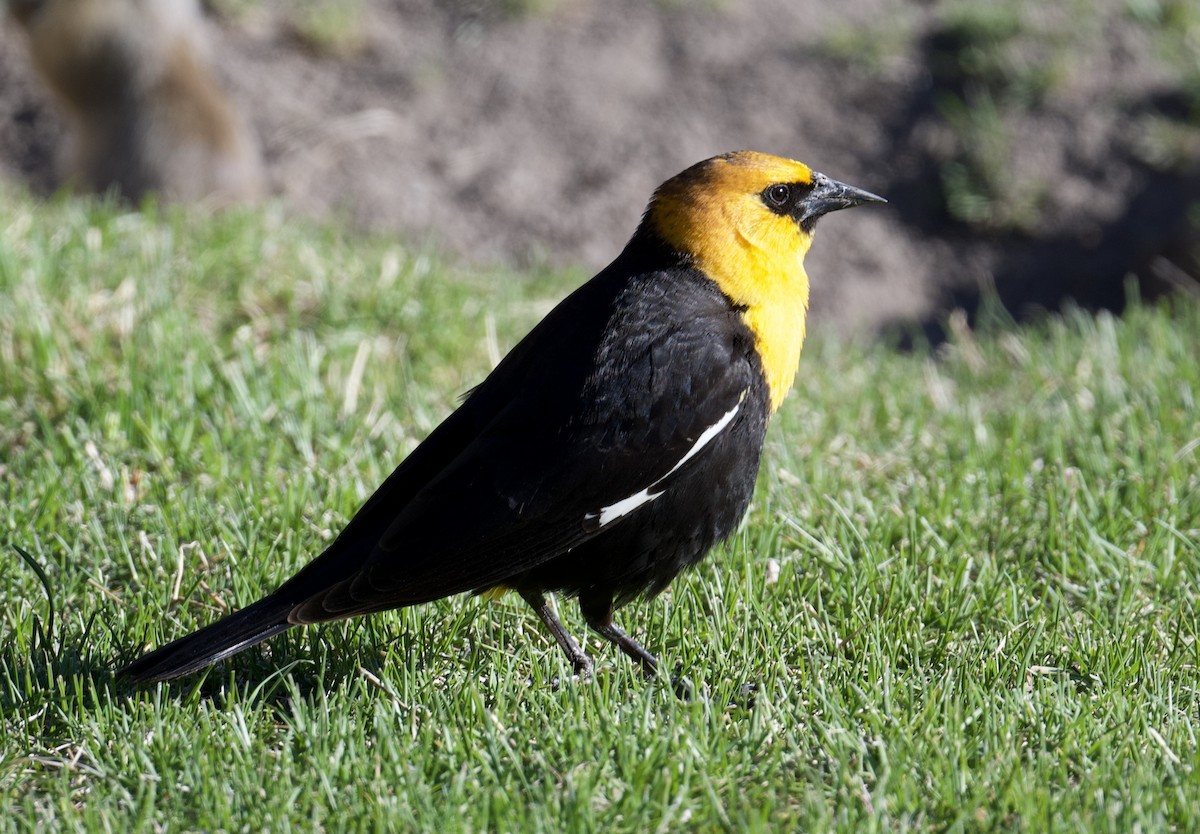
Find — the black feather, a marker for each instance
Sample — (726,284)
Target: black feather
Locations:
(229,635)
(601,400)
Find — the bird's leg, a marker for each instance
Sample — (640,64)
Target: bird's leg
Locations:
(599,615)
(579,659)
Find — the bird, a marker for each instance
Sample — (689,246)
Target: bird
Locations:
(609,451)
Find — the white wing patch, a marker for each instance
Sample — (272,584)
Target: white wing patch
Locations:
(625,506)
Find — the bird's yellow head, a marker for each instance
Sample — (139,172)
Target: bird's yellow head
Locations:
(746,220)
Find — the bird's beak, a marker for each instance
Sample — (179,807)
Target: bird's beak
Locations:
(830,195)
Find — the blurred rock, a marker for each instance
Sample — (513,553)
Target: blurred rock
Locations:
(143,110)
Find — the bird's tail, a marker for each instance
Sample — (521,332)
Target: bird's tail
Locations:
(227,636)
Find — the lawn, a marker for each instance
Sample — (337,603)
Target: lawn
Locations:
(964,598)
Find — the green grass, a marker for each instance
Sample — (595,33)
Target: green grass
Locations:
(965,592)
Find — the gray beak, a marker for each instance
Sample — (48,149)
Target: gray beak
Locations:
(830,195)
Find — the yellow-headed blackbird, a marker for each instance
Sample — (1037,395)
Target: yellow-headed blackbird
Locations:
(609,450)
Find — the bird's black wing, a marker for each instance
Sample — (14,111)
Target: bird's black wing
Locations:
(598,406)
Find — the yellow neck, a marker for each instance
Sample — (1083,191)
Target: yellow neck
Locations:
(757,259)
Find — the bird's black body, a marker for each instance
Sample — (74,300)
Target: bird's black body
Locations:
(609,450)
(599,401)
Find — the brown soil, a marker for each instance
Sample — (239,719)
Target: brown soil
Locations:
(537,138)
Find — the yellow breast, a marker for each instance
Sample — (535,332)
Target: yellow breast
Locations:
(755,256)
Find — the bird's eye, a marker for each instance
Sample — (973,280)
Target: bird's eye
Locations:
(779,195)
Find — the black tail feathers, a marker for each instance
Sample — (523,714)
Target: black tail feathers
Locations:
(227,636)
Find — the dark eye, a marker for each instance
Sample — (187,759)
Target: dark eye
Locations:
(779,195)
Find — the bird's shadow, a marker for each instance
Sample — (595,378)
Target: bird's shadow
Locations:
(55,687)
(290,666)
(48,685)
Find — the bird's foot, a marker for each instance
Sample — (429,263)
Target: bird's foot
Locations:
(745,697)
(583,667)
(682,687)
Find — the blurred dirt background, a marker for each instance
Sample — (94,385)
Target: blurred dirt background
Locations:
(1048,150)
